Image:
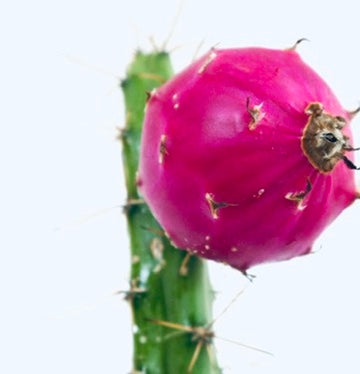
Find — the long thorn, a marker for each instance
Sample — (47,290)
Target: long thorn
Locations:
(99,69)
(245,346)
(227,307)
(195,356)
(174,335)
(153,44)
(174,24)
(197,50)
(88,217)
(172,325)
(211,354)
(353,113)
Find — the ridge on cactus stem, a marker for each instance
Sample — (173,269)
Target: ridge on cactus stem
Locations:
(246,156)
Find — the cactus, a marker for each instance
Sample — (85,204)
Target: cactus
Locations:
(170,294)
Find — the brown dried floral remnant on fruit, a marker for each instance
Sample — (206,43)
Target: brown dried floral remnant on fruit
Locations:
(323,142)
(163,150)
(256,114)
(299,197)
(215,206)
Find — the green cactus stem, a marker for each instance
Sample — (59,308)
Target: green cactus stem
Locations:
(170,293)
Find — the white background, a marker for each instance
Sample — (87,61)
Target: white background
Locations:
(63,242)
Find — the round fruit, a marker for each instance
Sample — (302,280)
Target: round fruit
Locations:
(246,156)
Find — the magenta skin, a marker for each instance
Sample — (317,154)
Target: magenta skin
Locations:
(197,147)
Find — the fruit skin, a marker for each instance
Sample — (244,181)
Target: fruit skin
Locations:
(222,167)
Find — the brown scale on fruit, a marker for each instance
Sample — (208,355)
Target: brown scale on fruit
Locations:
(299,197)
(323,141)
(163,150)
(256,114)
(215,206)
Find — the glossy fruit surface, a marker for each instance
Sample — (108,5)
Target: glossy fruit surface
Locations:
(245,156)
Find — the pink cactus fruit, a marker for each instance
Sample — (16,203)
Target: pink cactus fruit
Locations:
(246,157)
